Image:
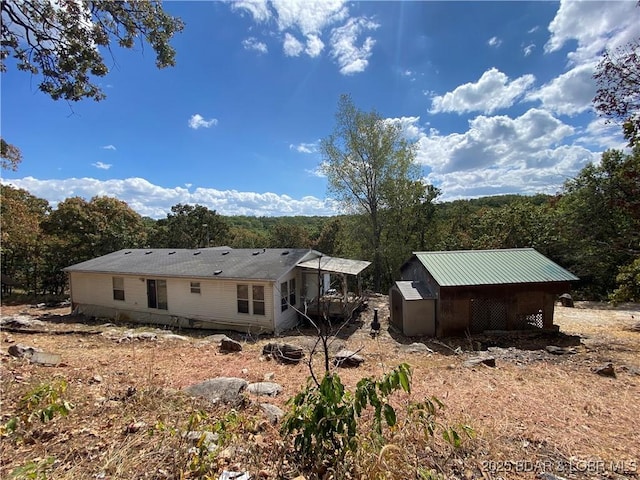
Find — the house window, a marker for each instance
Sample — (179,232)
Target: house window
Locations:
(292,292)
(195,287)
(258,300)
(243,298)
(283,296)
(118,288)
(157,294)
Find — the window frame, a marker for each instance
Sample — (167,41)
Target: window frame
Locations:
(292,292)
(242,300)
(284,296)
(117,289)
(195,287)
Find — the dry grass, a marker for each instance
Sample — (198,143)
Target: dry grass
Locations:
(533,412)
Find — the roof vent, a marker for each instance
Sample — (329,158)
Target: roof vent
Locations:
(127,253)
(197,253)
(171,253)
(147,253)
(257,252)
(217,272)
(286,252)
(225,252)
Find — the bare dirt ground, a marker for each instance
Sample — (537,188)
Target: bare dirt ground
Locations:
(534,412)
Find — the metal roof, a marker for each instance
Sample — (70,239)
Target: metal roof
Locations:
(492,267)
(336,265)
(217,262)
(413,290)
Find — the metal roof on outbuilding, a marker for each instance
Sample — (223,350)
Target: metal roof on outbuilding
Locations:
(492,267)
(336,265)
(217,262)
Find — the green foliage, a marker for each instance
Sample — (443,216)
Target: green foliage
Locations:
(628,281)
(64,42)
(44,402)
(323,419)
(189,226)
(33,470)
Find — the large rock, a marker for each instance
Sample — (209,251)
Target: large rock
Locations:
(221,389)
(274,414)
(22,351)
(606,370)
(347,358)
(476,361)
(270,389)
(283,352)
(227,345)
(554,350)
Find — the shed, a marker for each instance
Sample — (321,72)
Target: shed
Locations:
(478,290)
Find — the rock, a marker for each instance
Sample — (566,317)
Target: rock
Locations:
(174,337)
(20,321)
(227,345)
(264,388)
(269,376)
(208,439)
(135,427)
(475,361)
(566,300)
(221,389)
(47,359)
(274,414)
(347,358)
(415,348)
(560,350)
(227,475)
(283,352)
(22,351)
(606,370)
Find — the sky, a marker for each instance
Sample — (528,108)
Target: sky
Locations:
(497,97)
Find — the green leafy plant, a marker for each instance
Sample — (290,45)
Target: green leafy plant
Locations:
(36,470)
(323,419)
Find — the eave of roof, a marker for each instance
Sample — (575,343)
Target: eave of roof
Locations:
(336,265)
(492,267)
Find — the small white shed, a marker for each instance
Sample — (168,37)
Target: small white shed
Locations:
(412,308)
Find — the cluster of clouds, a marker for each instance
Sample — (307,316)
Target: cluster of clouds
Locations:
(155,201)
(310,27)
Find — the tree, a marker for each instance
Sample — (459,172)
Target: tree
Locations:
(10,156)
(64,40)
(618,96)
(189,226)
(364,159)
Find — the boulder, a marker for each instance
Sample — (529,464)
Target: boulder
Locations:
(606,370)
(227,345)
(221,389)
(348,359)
(22,351)
(476,361)
(265,388)
(560,350)
(274,414)
(283,352)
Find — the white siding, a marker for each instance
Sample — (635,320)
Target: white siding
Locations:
(289,318)
(214,307)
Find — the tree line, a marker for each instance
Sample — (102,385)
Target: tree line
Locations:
(591,227)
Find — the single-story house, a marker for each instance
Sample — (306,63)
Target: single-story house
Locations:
(257,290)
(457,292)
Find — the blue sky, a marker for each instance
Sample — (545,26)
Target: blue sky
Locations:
(497,97)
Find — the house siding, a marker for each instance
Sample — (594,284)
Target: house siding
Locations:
(214,307)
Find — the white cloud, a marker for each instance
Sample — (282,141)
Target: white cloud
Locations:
(197,121)
(252,43)
(350,57)
(570,93)
(102,166)
(304,147)
(291,46)
(108,147)
(314,46)
(595,26)
(155,201)
(528,50)
(494,42)
(533,29)
(259,9)
(499,154)
(491,92)
(310,16)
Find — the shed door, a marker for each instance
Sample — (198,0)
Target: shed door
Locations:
(488,314)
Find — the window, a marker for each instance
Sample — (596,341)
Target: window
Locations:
(292,292)
(157,294)
(243,298)
(283,296)
(195,287)
(118,288)
(258,300)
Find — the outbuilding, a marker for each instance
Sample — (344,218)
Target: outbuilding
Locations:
(451,293)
